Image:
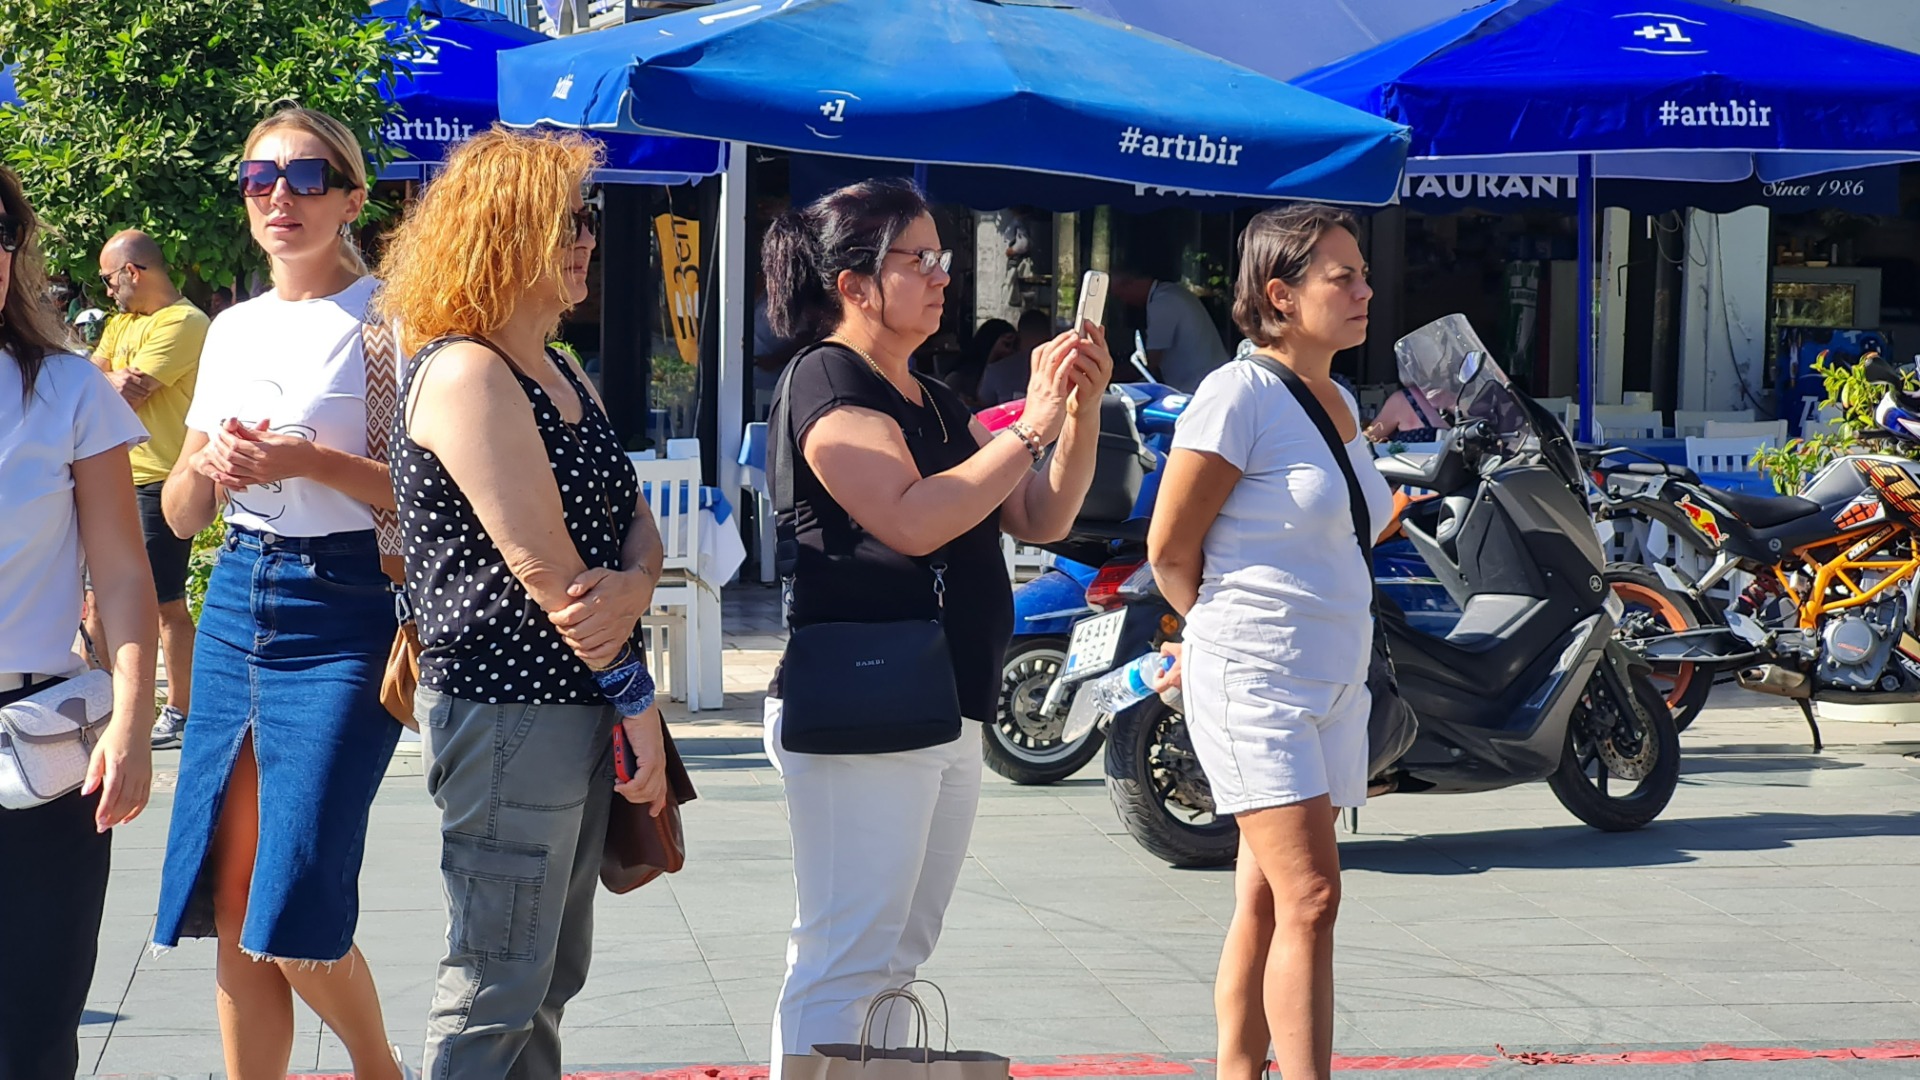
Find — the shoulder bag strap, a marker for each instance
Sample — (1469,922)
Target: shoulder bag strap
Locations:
(379,355)
(783,446)
(1356,500)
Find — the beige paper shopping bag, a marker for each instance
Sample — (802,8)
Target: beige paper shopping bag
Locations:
(865,1061)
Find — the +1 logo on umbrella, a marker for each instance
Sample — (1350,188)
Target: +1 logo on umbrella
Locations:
(1661,34)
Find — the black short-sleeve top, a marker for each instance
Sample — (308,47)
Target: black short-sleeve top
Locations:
(843,573)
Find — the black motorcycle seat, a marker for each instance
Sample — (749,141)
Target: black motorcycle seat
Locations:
(1132,530)
(1764,511)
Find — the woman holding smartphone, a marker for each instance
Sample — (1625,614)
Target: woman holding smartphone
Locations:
(289,741)
(889,468)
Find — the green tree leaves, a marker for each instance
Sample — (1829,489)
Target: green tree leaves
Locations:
(134,112)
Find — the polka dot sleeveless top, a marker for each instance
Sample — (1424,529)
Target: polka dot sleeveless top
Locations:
(482,637)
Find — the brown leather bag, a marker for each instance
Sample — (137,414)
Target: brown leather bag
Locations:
(640,846)
(380,354)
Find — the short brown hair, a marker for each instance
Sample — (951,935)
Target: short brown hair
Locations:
(1278,244)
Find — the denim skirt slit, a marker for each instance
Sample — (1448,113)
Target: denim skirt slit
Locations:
(293,639)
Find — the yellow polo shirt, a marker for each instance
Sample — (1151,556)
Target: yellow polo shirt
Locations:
(166,346)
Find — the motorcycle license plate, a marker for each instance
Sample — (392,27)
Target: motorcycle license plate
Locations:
(1090,650)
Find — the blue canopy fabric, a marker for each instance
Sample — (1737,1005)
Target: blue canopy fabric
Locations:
(1028,84)
(1635,89)
(1284,40)
(451,92)
(1647,89)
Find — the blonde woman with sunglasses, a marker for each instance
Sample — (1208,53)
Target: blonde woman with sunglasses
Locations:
(289,741)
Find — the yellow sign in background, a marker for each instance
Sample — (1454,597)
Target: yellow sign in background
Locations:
(680,267)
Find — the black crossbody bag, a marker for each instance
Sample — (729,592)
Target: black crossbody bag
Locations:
(1391,725)
(856,687)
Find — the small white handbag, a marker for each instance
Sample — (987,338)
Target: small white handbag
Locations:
(47,738)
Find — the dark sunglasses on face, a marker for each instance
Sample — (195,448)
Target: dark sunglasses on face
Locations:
(588,218)
(11,234)
(305,176)
(109,279)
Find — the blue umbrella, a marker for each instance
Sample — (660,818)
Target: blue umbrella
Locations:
(1026,84)
(1647,89)
(451,92)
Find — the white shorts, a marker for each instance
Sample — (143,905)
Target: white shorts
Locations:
(1268,739)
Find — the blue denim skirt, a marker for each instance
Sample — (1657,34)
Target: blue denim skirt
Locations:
(293,640)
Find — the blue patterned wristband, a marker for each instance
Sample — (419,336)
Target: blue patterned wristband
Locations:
(626,684)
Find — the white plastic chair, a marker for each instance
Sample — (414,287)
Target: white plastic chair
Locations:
(1023,563)
(1627,425)
(1722,455)
(755,484)
(1693,422)
(674,624)
(1774,431)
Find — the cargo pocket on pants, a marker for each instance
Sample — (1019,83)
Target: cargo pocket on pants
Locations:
(494,888)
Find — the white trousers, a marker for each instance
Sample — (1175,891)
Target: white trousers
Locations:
(878,842)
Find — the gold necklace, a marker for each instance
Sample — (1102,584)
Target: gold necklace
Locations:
(928,394)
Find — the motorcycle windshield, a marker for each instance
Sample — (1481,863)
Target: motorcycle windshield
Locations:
(1447,361)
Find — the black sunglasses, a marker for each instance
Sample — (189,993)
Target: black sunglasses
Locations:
(588,218)
(109,279)
(305,176)
(10,234)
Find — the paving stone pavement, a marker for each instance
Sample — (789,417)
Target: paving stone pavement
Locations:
(1774,904)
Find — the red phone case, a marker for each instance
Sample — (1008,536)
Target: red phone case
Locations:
(623,762)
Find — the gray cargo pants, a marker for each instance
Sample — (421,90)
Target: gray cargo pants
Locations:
(523,792)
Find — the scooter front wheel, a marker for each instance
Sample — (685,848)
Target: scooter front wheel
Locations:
(1160,792)
(1621,764)
(1021,744)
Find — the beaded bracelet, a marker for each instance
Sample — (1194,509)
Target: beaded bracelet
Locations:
(1027,437)
(626,684)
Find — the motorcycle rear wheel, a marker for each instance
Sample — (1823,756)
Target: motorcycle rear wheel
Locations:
(1653,608)
(1019,745)
(1160,793)
(1649,743)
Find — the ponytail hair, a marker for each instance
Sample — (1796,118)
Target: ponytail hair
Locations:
(807,249)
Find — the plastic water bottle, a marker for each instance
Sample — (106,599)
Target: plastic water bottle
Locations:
(1124,687)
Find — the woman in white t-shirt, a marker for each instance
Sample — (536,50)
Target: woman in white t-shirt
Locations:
(68,493)
(1253,541)
(288,741)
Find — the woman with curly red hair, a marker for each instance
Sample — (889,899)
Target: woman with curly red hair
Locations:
(530,557)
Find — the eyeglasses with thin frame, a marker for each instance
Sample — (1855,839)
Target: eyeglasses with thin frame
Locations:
(109,279)
(304,176)
(11,234)
(931,259)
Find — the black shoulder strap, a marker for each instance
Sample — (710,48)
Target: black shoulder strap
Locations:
(783,445)
(1356,499)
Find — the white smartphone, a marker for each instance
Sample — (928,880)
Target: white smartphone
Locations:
(1093,299)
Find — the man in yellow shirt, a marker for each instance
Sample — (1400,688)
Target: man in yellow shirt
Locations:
(151,354)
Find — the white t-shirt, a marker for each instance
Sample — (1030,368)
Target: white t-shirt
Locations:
(1179,327)
(297,365)
(1284,584)
(74,414)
